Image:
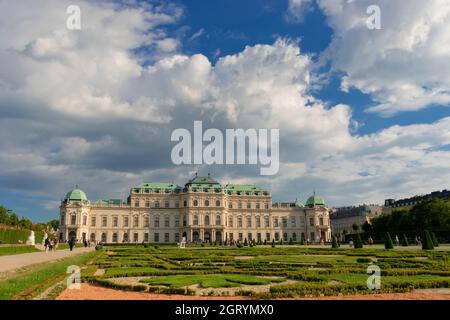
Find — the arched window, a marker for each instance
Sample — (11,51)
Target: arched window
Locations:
(217,203)
(185,203)
(125,237)
(92,237)
(195,222)
(195,203)
(206,203)
(206,220)
(114,237)
(285,237)
(218,220)
(104,237)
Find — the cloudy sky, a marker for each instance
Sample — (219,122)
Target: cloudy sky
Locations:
(363,114)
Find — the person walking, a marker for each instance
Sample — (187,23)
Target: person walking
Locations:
(370,241)
(71,244)
(46,244)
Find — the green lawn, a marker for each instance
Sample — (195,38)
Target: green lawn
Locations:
(209,280)
(62,246)
(35,277)
(6,251)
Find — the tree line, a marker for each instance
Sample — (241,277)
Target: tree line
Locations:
(9,218)
(431,215)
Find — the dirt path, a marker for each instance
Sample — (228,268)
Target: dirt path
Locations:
(90,292)
(17,261)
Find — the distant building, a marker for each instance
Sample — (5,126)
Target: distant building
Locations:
(345,217)
(408,203)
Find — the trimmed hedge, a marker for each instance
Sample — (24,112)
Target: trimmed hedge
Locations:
(14,236)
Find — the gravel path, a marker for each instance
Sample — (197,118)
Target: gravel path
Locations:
(17,261)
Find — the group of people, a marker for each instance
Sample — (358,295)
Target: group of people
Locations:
(50,245)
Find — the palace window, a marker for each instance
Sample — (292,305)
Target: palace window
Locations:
(156,237)
(146,237)
(266,206)
(177,237)
(258,222)
(275,222)
(92,237)
(285,237)
(239,205)
(166,221)
(136,203)
(195,203)
(167,204)
(293,222)
(73,219)
(135,237)
(217,203)
(184,221)
(84,220)
(230,221)
(240,237)
(277,236)
(206,220)
(147,204)
(240,222)
(136,222)
(250,236)
(195,222)
(177,204)
(166,237)
(294,236)
(177,221)
(206,203)
(218,220)
(284,222)
(156,222)
(311,222)
(93,221)
(104,221)
(258,205)
(115,221)
(185,203)
(63,220)
(125,237)
(313,236)
(157,204)
(266,221)
(249,205)
(125,222)
(268,236)
(258,237)
(114,237)
(230,205)
(249,222)
(104,237)
(146,222)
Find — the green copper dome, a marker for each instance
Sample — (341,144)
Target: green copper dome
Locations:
(76,195)
(315,201)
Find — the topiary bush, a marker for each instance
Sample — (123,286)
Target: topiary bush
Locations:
(405,241)
(358,241)
(427,243)
(434,239)
(388,242)
(335,244)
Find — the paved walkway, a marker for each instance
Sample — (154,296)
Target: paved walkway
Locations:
(13,262)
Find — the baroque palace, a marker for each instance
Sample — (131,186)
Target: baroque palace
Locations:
(202,210)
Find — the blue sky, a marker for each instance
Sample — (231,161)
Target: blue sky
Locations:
(363,114)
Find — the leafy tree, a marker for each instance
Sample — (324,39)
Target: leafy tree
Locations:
(355,227)
(405,241)
(367,227)
(388,241)
(358,241)
(335,243)
(427,243)
(54,224)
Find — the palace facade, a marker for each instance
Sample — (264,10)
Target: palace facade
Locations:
(202,210)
